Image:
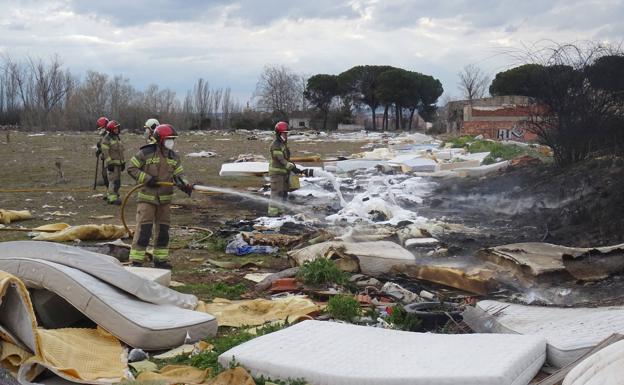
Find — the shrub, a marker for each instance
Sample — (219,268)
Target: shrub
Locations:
(343,307)
(321,271)
(404,320)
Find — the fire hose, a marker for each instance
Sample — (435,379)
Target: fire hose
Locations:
(140,185)
(128,195)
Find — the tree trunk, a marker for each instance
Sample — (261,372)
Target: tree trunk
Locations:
(411,118)
(374,122)
(326,112)
(396,117)
(385,118)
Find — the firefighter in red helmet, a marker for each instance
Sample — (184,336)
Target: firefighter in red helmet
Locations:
(156,162)
(101,130)
(280,168)
(114,162)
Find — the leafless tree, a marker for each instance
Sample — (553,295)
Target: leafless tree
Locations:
(473,82)
(279,91)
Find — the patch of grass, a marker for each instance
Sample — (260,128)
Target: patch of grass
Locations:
(263,381)
(461,141)
(321,271)
(215,244)
(213,290)
(343,307)
(497,150)
(404,320)
(222,343)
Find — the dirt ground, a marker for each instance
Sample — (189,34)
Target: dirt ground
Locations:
(29,181)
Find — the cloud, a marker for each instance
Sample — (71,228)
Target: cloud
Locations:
(172,43)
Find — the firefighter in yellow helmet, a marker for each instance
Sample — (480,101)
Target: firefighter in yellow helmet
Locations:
(280,168)
(156,162)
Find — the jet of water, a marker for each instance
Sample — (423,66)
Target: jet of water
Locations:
(334,182)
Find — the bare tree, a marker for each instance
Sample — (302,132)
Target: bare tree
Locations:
(279,91)
(201,102)
(473,82)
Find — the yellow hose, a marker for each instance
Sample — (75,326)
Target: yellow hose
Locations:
(125,201)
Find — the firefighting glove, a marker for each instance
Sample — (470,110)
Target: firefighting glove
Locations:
(187,188)
(110,168)
(297,170)
(152,182)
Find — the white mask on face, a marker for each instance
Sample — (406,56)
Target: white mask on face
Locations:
(169,144)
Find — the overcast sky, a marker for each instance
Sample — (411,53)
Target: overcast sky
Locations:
(173,42)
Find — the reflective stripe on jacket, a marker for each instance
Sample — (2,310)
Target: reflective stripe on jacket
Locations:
(165,166)
(112,150)
(279,158)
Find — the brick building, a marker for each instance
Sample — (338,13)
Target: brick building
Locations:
(503,118)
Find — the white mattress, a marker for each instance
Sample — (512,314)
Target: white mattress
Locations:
(605,367)
(374,258)
(244,169)
(137,323)
(328,353)
(570,332)
(98,265)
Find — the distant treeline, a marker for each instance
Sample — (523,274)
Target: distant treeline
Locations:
(42,94)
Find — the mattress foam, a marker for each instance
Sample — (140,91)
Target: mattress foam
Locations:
(570,332)
(325,353)
(137,323)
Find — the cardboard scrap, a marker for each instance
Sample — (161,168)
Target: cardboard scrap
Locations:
(8,216)
(85,233)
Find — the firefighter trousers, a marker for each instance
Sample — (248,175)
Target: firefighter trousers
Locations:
(279,194)
(156,218)
(114,183)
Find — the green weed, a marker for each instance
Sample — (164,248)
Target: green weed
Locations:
(343,307)
(404,320)
(321,271)
(214,290)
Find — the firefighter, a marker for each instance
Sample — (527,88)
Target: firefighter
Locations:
(101,130)
(156,162)
(113,154)
(280,168)
(150,125)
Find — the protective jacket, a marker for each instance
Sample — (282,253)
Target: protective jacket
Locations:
(280,163)
(112,150)
(162,164)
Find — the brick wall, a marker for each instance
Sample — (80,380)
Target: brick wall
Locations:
(503,130)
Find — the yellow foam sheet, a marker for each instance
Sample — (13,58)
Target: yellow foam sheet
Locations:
(176,374)
(257,311)
(236,376)
(87,354)
(84,233)
(91,355)
(52,227)
(12,356)
(8,216)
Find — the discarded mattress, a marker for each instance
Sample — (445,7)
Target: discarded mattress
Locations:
(483,170)
(537,258)
(570,332)
(244,169)
(415,164)
(102,266)
(137,323)
(325,353)
(605,367)
(344,166)
(371,257)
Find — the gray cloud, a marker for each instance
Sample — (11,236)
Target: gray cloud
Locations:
(228,42)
